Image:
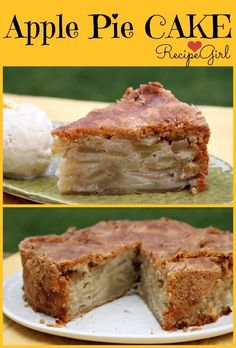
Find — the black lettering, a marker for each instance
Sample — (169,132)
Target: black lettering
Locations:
(115,32)
(127,27)
(48,26)
(60,27)
(148,26)
(176,26)
(72,30)
(33,30)
(14,27)
(97,25)
(216,25)
(198,26)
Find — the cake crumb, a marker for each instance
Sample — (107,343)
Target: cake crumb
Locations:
(50,325)
(196,328)
(188,329)
(42,321)
(194,191)
(126,311)
(59,323)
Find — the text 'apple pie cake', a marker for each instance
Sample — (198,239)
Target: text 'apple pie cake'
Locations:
(184,274)
(148,141)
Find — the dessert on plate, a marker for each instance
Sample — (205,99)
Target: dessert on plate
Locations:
(184,274)
(148,141)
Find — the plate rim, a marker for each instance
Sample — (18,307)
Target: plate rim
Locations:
(182,337)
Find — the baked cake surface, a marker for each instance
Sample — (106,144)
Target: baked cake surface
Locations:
(148,141)
(184,274)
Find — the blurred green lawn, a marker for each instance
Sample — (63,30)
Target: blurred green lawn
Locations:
(197,85)
(21,222)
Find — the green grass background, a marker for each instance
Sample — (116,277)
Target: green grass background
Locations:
(197,85)
(20,222)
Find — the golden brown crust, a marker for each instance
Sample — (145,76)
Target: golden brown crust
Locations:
(108,238)
(171,323)
(163,238)
(147,111)
(192,287)
(45,287)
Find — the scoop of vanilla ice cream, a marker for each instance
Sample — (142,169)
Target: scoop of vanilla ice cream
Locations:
(27,140)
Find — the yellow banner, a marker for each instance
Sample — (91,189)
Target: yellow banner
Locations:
(127,33)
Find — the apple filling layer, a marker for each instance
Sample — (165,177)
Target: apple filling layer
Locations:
(184,293)
(118,166)
(92,285)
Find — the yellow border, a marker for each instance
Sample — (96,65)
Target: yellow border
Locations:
(118,205)
(131,8)
(1,209)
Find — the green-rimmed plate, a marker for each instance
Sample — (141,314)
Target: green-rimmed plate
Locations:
(44,190)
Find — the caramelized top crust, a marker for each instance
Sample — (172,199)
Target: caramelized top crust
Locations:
(162,240)
(147,111)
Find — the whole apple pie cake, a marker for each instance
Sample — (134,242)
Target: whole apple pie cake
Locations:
(148,141)
(184,274)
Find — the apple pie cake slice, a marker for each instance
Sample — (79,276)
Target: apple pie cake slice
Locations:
(148,141)
(184,274)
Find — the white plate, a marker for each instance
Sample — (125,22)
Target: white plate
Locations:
(126,320)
